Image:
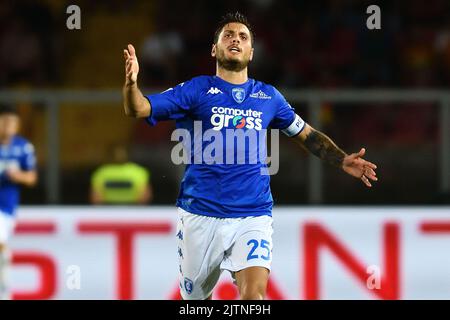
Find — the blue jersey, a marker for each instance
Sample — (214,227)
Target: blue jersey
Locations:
(18,154)
(211,186)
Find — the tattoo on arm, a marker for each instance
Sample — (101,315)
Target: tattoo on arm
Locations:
(324,148)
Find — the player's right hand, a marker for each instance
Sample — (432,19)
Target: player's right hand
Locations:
(131,65)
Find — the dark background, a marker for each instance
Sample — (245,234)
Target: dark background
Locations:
(299,45)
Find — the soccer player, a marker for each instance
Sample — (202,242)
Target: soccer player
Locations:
(225,220)
(17,167)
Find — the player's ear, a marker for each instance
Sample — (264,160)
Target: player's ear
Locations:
(213,50)
(251,54)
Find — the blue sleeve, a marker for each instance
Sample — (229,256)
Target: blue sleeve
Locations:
(172,104)
(28,159)
(285,118)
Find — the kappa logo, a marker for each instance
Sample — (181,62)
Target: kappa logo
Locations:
(214,90)
(260,95)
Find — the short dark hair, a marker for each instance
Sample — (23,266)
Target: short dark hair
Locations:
(7,109)
(230,18)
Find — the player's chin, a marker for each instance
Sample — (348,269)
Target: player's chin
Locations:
(233,57)
(238,60)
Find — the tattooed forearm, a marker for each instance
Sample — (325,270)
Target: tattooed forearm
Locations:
(324,148)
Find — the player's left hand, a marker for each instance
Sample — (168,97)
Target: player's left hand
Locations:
(356,166)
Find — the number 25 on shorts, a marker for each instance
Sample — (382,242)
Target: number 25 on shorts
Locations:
(264,244)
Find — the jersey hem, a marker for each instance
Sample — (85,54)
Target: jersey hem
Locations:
(224,215)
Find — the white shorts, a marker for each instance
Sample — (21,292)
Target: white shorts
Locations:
(208,245)
(7,224)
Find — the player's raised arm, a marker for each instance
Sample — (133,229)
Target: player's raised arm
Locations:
(323,147)
(134,103)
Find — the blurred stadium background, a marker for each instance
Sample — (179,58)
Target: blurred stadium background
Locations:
(386,90)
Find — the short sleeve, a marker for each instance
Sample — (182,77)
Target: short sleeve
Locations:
(285,118)
(28,159)
(172,104)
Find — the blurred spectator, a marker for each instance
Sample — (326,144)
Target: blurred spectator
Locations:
(20,55)
(160,54)
(442,48)
(121,182)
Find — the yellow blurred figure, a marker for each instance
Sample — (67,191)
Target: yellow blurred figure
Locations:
(121,182)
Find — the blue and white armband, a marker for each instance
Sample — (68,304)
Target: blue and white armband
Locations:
(295,128)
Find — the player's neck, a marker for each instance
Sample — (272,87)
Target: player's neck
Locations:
(233,77)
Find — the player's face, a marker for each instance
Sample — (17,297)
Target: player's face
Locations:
(9,126)
(233,50)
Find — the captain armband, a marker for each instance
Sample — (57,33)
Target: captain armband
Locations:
(295,128)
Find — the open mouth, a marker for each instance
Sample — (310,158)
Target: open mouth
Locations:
(234,49)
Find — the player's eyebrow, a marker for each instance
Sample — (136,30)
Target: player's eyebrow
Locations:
(241,33)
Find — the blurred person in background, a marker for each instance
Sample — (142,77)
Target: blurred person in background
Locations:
(161,52)
(17,167)
(26,64)
(225,211)
(121,182)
